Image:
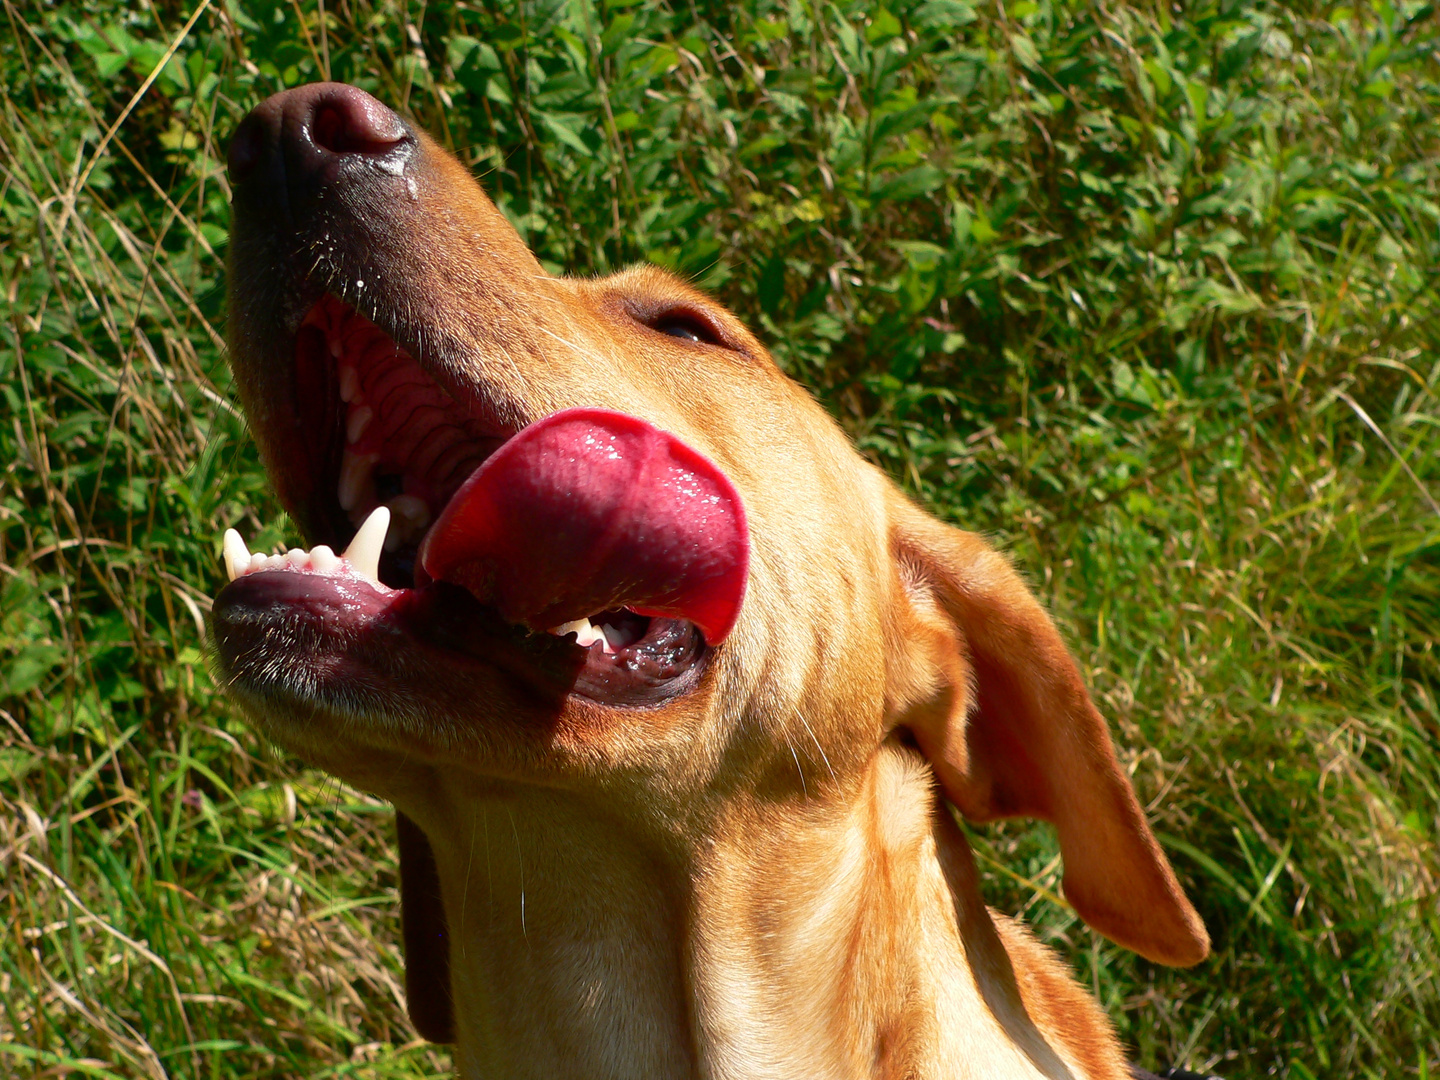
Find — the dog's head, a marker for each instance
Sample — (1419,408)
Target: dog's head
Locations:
(626,554)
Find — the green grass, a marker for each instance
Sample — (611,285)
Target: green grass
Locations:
(1146,292)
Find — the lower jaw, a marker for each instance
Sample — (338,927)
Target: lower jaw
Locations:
(310,636)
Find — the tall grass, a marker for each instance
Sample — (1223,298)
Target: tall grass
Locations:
(1147,292)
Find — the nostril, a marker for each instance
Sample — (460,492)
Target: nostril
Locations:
(355,123)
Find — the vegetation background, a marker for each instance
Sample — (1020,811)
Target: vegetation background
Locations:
(1147,292)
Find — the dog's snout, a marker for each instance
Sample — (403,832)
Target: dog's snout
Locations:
(313,128)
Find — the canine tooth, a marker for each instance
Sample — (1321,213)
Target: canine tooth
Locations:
(354,474)
(363,554)
(349,382)
(235,553)
(356,423)
(336,348)
(323,560)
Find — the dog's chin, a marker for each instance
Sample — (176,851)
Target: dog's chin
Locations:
(377,450)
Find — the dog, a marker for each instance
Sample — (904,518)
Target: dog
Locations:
(669,687)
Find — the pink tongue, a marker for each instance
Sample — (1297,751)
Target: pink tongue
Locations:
(586,511)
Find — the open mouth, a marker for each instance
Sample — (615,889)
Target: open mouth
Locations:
(590,527)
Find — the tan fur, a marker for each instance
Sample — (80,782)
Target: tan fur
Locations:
(759,878)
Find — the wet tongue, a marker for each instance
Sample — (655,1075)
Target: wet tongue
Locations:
(587,511)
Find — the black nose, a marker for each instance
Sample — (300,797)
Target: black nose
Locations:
(309,131)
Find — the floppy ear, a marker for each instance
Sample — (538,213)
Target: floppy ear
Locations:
(426,936)
(998,706)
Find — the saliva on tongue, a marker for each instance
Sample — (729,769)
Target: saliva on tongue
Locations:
(589,510)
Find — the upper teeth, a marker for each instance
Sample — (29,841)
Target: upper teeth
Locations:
(357,480)
(587,634)
(361,557)
(357,421)
(349,378)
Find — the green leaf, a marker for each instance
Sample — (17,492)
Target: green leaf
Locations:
(961,223)
(883,26)
(109,64)
(771,29)
(459,49)
(15,762)
(944,14)
(1160,77)
(1025,51)
(762,145)
(1198,94)
(920,254)
(565,129)
(849,41)
(770,289)
(911,184)
(30,665)
(981,229)
(660,59)
(893,124)
(1238,56)
(507,35)
(617,33)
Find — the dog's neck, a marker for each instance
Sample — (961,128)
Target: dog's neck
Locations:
(577,951)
